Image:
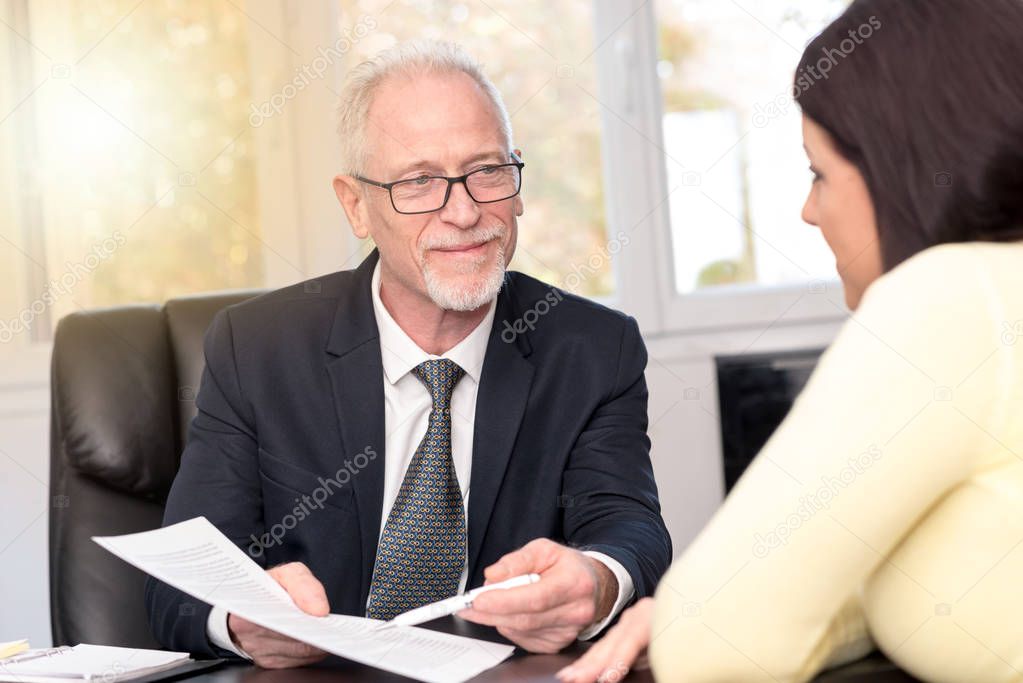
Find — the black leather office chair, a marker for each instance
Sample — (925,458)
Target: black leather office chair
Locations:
(123,387)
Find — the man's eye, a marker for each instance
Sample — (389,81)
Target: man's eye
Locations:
(421,180)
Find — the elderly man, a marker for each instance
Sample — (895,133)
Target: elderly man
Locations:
(389,436)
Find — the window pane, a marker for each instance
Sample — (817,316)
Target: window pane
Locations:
(141,151)
(538,53)
(734,157)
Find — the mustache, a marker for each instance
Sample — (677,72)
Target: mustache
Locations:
(464,239)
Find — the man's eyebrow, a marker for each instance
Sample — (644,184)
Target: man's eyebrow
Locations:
(419,163)
(495,155)
(484,156)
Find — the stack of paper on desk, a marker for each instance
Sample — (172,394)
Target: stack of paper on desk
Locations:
(197,559)
(87,662)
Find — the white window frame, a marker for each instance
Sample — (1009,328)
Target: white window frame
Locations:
(636,189)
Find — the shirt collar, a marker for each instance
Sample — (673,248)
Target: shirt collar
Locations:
(400,354)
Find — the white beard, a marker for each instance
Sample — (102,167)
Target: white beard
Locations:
(472,288)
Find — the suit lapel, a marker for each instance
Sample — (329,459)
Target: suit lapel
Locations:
(356,377)
(500,404)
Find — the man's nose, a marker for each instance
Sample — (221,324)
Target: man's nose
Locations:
(460,210)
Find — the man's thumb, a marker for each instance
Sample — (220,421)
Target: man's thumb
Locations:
(304,588)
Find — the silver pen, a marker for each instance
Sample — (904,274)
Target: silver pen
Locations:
(442,608)
(36,654)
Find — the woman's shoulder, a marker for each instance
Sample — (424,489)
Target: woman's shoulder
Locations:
(950,310)
(965,257)
(967,273)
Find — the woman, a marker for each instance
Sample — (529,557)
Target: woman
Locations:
(887,510)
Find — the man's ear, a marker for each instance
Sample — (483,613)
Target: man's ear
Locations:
(519,206)
(349,193)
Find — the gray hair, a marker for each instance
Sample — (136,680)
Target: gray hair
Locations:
(410,59)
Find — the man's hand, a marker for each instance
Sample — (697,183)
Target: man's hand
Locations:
(270,649)
(574,592)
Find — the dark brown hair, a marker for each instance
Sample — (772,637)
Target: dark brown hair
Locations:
(926,98)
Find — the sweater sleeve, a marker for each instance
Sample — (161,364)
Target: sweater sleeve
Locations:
(891,420)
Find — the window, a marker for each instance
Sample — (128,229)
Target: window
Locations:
(734,158)
(154,149)
(539,54)
(132,168)
(709,192)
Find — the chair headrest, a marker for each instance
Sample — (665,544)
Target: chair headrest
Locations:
(113,382)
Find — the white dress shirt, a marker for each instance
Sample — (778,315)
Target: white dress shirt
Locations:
(407,404)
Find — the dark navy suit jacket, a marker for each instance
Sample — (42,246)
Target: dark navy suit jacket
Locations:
(286,453)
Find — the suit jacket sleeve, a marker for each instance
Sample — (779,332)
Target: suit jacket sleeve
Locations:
(609,495)
(218,479)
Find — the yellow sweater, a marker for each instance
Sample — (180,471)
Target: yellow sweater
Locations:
(887,510)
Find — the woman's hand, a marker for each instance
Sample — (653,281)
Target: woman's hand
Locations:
(610,658)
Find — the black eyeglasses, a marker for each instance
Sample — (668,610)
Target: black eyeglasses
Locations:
(428,193)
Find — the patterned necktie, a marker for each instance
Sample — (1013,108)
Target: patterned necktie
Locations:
(422,550)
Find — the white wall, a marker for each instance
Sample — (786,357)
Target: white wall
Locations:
(24,497)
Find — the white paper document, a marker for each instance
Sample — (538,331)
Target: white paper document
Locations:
(87,663)
(196,558)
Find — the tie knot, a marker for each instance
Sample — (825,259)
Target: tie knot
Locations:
(440,377)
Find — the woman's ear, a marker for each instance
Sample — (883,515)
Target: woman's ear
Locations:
(349,194)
